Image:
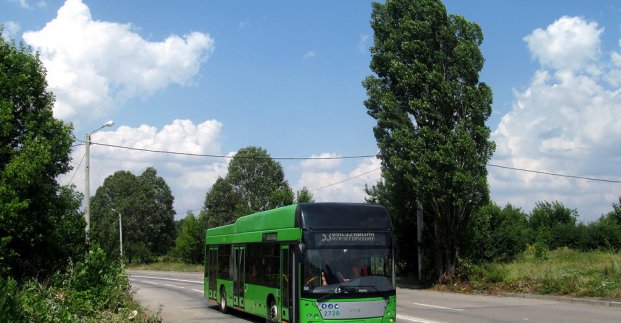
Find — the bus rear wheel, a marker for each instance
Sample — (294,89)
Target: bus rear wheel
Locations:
(272,311)
(223,307)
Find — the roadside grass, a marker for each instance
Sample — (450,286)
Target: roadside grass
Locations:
(167,264)
(560,272)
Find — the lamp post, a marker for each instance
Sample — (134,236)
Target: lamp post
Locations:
(87,181)
(120,233)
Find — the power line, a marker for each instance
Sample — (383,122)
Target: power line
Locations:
(76,170)
(229,157)
(558,175)
(343,157)
(345,180)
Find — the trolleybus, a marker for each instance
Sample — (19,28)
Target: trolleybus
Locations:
(310,262)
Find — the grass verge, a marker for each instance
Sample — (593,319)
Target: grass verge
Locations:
(167,265)
(561,272)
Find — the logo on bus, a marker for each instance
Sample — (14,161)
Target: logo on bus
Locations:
(329,306)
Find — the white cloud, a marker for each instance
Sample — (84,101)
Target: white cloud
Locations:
(363,45)
(189,177)
(243,25)
(22,3)
(567,121)
(329,161)
(309,55)
(568,43)
(335,186)
(11,28)
(94,65)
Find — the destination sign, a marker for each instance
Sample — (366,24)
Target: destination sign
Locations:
(350,238)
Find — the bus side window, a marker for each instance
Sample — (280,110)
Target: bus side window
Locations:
(224,254)
(253,261)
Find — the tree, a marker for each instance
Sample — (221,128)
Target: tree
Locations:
(190,245)
(259,180)
(615,214)
(304,196)
(146,205)
(393,193)
(554,225)
(497,234)
(35,212)
(431,109)
(221,204)
(254,183)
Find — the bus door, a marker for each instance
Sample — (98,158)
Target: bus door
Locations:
(285,282)
(212,267)
(238,277)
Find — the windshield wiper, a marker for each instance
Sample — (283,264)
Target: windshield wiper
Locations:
(369,286)
(339,290)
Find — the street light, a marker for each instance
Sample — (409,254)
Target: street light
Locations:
(87,181)
(120,233)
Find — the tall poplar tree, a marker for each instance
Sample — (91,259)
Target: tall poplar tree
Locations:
(431,109)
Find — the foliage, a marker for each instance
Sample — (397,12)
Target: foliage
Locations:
(562,272)
(603,234)
(430,110)
(497,234)
(190,245)
(304,196)
(254,182)
(392,193)
(93,290)
(615,214)
(259,180)
(34,151)
(166,263)
(9,301)
(221,204)
(145,203)
(554,225)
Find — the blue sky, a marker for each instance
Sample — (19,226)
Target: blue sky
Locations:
(211,77)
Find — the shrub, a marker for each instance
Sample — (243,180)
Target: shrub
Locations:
(9,301)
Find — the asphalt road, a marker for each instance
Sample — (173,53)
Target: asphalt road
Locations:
(179,298)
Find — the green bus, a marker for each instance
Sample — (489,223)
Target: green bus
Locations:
(311,262)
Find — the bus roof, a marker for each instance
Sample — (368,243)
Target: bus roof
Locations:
(348,216)
(288,221)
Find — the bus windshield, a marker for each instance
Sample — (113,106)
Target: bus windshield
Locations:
(347,271)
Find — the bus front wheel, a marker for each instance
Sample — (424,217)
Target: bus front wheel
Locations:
(223,307)
(272,311)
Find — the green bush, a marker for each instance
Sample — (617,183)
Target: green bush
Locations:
(95,289)
(565,283)
(482,275)
(541,250)
(9,301)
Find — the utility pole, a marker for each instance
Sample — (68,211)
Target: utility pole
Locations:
(87,187)
(120,233)
(87,180)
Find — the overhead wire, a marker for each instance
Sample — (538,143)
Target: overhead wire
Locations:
(76,170)
(338,158)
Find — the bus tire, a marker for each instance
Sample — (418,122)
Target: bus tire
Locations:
(223,307)
(272,310)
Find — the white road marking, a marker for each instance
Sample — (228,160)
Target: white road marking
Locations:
(175,286)
(167,285)
(440,307)
(171,279)
(146,282)
(415,319)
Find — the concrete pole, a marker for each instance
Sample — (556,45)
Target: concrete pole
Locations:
(419,238)
(121,235)
(87,188)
